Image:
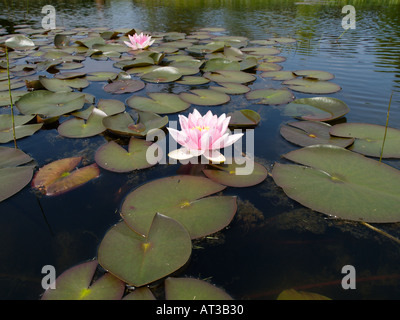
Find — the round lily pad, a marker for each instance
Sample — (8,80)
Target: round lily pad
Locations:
(314,74)
(13,177)
(261,51)
(79,128)
(229,76)
(183,198)
(158,102)
(77,283)
(217,64)
(193,289)
(269,66)
(162,75)
(101,76)
(341,183)
(193,80)
(67,85)
(140,260)
(292,294)
(114,157)
(307,133)
(308,85)
(317,108)
(369,139)
(231,88)
(15,95)
(204,97)
(271,96)
(244,118)
(278,75)
(124,86)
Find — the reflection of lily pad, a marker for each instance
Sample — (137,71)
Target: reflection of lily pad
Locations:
(139,260)
(341,183)
(114,157)
(317,108)
(369,139)
(57,177)
(13,177)
(307,133)
(204,97)
(158,102)
(193,289)
(182,198)
(271,96)
(77,284)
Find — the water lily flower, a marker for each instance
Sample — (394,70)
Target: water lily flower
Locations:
(141,41)
(202,135)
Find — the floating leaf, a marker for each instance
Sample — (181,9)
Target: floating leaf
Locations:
(193,80)
(244,118)
(229,76)
(307,133)
(231,88)
(261,51)
(77,283)
(13,178)
(283,40)
(21,129)
(314,74)
(56,177)
(182,198)
(341,183)
(15,95)
(269,66)
(19,42)
(235,175)
(79,128)
(114,157)
(101,76)
(278,75)
(124,86)
(158,102)
(317,109)
(217,64)
(291,294)
(139,260)
(369,139)
(271,96)
(162,75)
(58,85)
(204,97)
(50,104)
(193,289)
(142,293)
(307,85)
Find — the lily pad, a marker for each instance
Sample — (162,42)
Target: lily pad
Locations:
(67,85)
(140,260)
(369,139)
(229,175)
(193,80)
(159,102)
(193,289)
(314,74)
(79,128)
(101,76)
(13,177)
(278,75)
(77,283)
(244,118)
(162,75)
(50,104)
(269,67)
(183,198)
(21,129)
(57,177)
(307,133)
(15,95)
(124,86)
(204,97)
(271,96)
(231,88)
(114,157)
(291,294)
(341,183)
(19,42)
(317,108)
(141,293)
(307,85)
(221,64)
(229,76)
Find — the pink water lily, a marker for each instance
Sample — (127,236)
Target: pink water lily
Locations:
(141,41)
(202,135)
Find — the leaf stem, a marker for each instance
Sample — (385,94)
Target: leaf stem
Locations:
(11,102)
(386,126)
(397,240)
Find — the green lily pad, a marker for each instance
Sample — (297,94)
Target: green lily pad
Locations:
(341,183)
(15,95)
(307,85)
(140,260)
(307,133)
(230,174)
(369,139)
(271,96)
(244,118)
(261,51)
(19,42)
(70,66)
(58,85)
(291,294)
(317,108)
(14,84)
(162,75)
(69,75)
(79,128)
(159,102)
(114,157)
(204,97)
(77,283)
(124,124)
(217,64)
(193,80)
(193,289)
(57,177)
(231,88)
(21,129)
(314,74)
(141,293)
(182,198)
(229,76)
(50,104)
(101,76)
(13,177)
(213,46)
(269,67)
(278,75)
(283,40)
(124,86)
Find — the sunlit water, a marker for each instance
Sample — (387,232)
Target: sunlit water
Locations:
(273,243)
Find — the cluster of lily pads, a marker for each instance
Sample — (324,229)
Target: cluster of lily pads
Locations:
(162,217)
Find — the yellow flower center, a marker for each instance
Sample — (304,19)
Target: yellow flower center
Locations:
(201,128)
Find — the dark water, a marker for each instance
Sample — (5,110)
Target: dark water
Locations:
(273,243)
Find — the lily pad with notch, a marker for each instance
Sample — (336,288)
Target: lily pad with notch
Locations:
(204,97)
(162,75)
(158,102)
(124,86)
(245,118)
(21,128)
(308,85)
(229,76)
(79,128)
(271,96)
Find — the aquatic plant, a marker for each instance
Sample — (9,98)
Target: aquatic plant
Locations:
(141,41)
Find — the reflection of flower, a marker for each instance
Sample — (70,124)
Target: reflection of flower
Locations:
(141,41)
(203,135)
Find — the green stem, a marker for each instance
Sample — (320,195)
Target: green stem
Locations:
(11,102)
(386,126)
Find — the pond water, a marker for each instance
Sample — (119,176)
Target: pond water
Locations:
(273,243)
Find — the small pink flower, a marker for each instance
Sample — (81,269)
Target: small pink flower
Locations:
(203,135)
(141,41)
